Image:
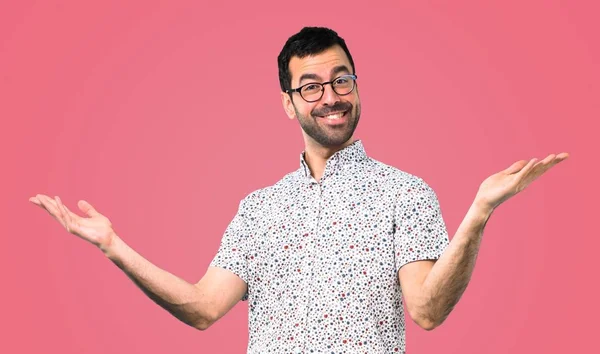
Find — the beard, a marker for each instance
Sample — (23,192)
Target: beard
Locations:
(330,136)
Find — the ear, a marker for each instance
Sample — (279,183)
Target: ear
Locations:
(288,106)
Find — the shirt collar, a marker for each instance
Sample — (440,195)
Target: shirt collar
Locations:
(352,153)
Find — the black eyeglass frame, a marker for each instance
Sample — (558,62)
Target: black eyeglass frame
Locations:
(299,89)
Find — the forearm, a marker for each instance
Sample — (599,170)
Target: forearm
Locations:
(182,299)
(451,273)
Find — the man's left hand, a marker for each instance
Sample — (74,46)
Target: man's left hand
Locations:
(501,186)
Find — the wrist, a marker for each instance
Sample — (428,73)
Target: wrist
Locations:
(113,247)
(478,214)
(481,208)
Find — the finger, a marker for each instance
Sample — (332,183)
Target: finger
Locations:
(520,178)
(35,201)
(557,159)
(61,208)
(541,167)
(72,218)
(554,159)
(527,167)
(515,167)
(87,208)
(562,156)
(66,215)
(545,161)
(60,212)
(48,204)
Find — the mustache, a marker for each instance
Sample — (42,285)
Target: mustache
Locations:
(337,107)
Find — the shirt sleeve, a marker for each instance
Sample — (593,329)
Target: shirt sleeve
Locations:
(420,231)
(233,249)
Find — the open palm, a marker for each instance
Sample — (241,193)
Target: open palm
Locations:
(501,186)
(95,228)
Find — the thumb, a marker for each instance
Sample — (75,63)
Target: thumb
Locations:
(87,208)
(516,167)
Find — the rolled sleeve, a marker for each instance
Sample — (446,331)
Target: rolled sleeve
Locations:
(420,231)
(232,253)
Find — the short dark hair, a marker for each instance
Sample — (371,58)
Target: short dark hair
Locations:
(309,41)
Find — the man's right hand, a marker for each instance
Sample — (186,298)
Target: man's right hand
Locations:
(198,305)
(95,228)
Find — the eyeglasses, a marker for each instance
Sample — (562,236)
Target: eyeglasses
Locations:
(313,91)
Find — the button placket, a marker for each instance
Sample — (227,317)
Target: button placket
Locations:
(307,272)
(311,251)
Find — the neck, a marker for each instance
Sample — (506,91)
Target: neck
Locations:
(316,156)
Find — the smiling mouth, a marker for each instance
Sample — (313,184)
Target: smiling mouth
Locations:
(334,116)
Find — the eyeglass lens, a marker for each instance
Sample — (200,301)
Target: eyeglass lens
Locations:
(314,92)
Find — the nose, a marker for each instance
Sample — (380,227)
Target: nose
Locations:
(329,96)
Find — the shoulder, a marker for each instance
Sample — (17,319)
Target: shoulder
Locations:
(398,180)
(407,190)
(265,196)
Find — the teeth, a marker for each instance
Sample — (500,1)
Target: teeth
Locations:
(335,116)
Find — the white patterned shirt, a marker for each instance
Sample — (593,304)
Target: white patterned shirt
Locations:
(321,259)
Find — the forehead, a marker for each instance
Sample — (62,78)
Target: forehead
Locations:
(319,64)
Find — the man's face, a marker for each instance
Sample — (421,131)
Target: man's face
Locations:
(320,120)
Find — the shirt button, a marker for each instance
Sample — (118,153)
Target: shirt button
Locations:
(297,350)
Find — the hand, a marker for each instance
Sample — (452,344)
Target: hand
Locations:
(501,186)
(96,228)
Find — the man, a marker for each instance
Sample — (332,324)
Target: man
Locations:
(327,255)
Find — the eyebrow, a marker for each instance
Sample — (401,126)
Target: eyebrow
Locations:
(338,69)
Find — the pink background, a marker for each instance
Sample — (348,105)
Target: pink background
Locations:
(165,115)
